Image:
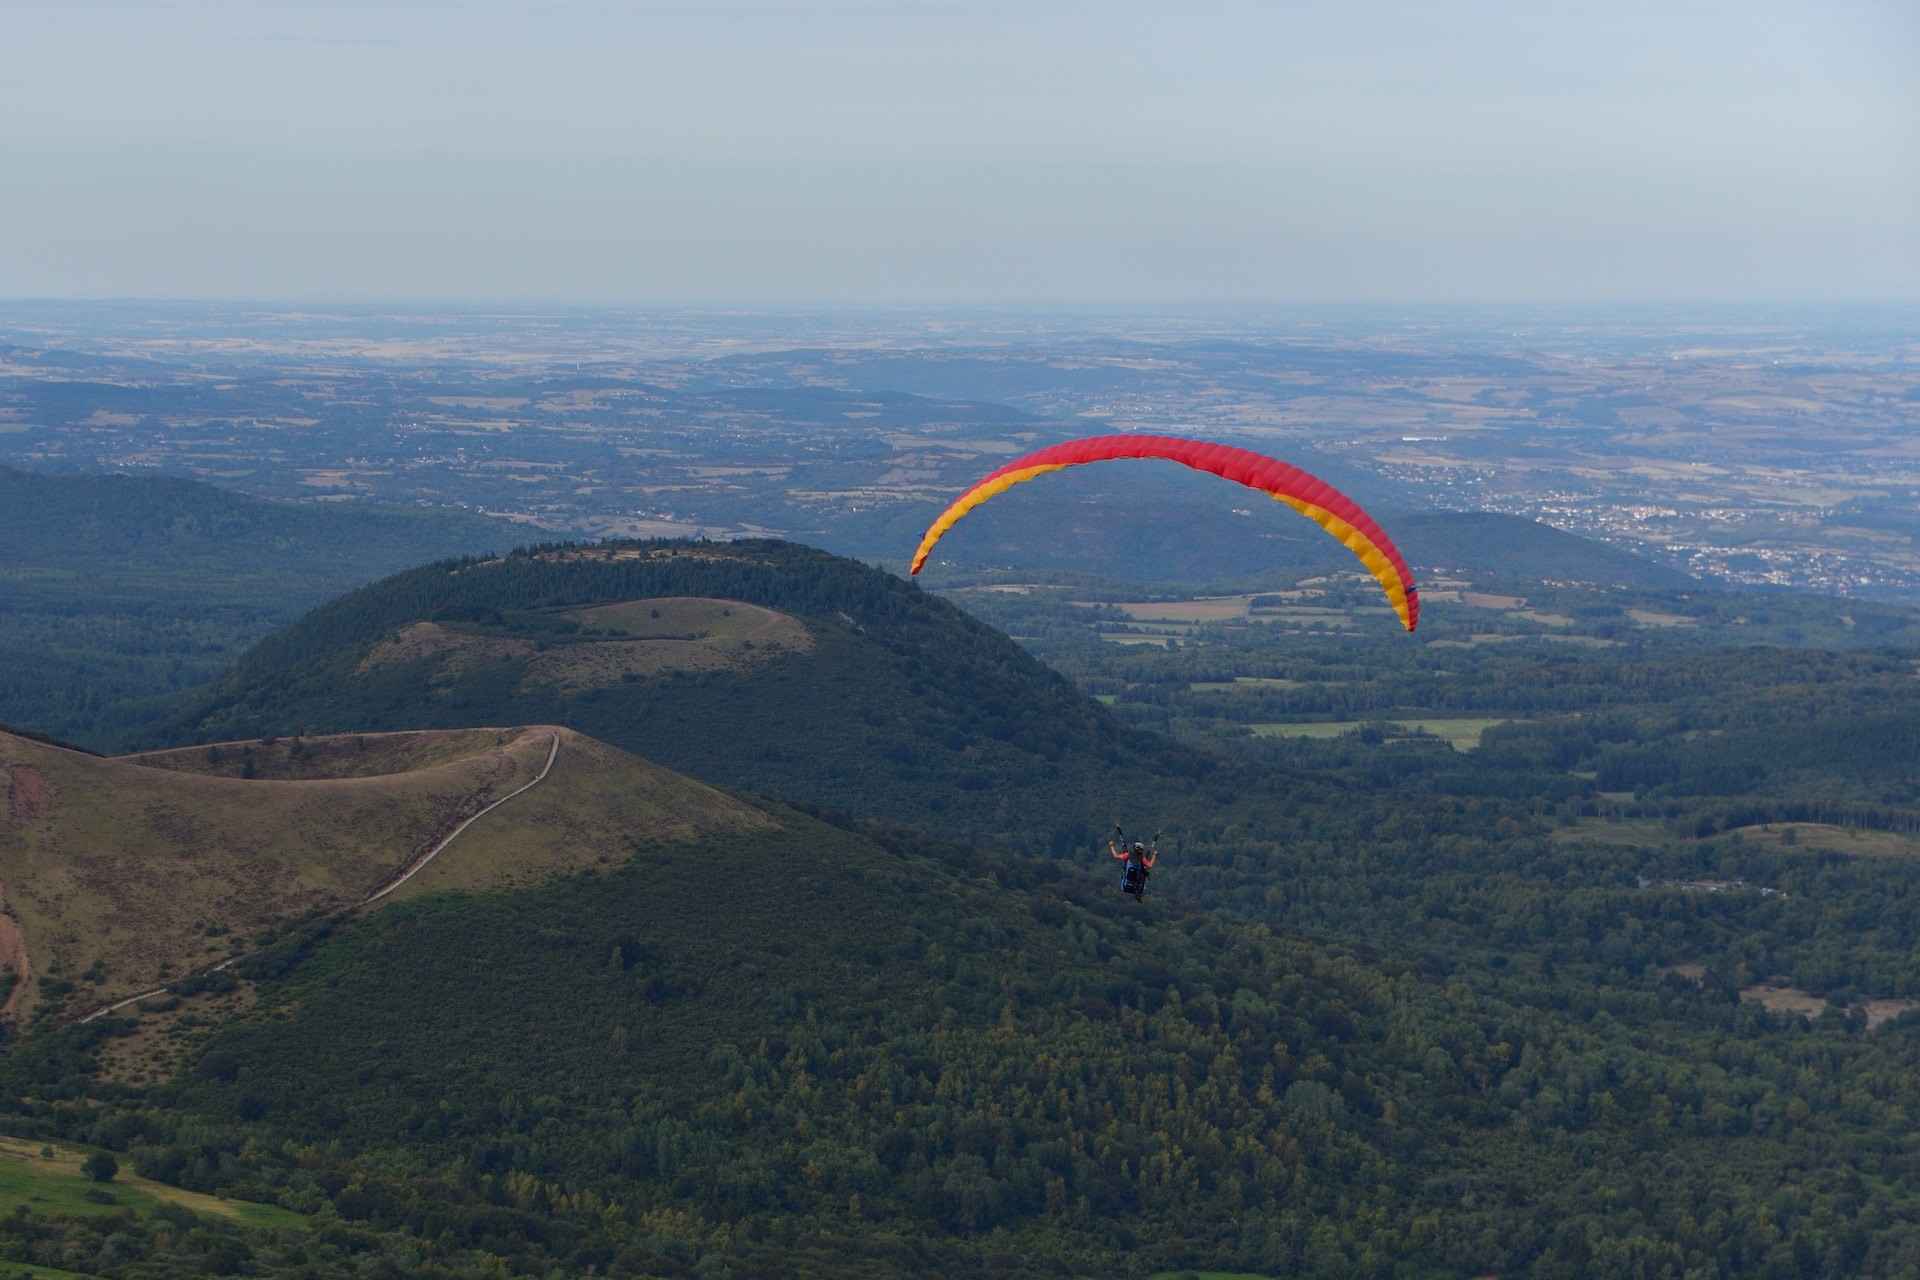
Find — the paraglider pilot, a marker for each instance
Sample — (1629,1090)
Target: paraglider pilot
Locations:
(1139,859)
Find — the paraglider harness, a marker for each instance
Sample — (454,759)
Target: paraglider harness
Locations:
(1134,880)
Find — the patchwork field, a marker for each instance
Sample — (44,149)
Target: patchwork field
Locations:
(1803,837)
(1819,836)
(1222,609)
(1784,999)
(1462,733)
(1245,684)
(1628,834)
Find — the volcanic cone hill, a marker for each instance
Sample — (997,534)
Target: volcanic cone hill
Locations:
(120,875)
(760,665)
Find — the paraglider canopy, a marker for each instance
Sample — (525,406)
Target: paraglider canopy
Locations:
(1312,497)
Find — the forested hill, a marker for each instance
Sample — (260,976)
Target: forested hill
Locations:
(189,528)
(762,665)
(95,570)
(1492,545)
(793,1052)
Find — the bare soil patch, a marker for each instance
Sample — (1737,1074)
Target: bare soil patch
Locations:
(1879,1011)
(27,795)
(14,957)
(1777,999)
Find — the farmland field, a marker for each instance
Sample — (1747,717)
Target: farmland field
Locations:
(1463,733)
(56,1184)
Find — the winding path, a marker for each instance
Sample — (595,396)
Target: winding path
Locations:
(413,869)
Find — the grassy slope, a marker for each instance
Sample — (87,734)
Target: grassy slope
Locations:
(126,867)
(56,1185)
(590,811)
(342,756)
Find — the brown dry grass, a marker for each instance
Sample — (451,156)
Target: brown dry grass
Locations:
(166,1039)
(461,649)
(1879,1011)
(14,959)
(347,755)
(1784,999)
(595,804)
(153,873)
(651,637)
(130,873)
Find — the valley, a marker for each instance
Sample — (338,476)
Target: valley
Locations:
(941,640)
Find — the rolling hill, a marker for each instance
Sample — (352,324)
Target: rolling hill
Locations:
(116,590)
(120,875)
(758,665)
(1493,546)
(1146,523)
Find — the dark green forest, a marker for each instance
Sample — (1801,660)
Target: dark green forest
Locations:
(117,591)
(865,1060)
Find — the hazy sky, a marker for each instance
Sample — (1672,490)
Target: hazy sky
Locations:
(970,152)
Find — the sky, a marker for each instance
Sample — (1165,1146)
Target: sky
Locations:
(908,152)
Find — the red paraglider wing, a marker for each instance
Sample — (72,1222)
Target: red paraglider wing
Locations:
(1313,498)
